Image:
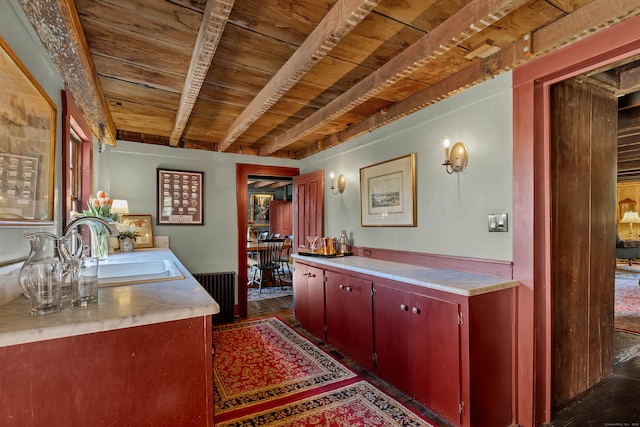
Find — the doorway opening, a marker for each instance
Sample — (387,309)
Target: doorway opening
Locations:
(533,256)
(243,174)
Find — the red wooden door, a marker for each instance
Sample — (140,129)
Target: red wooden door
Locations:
(280,218)
(392,327)
(337,310)
(435,346)
(315,283)
(308,197)
(360,328)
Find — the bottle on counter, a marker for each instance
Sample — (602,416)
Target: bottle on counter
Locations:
(343,242)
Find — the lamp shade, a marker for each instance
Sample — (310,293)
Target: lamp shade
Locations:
(122,207)
(630,218)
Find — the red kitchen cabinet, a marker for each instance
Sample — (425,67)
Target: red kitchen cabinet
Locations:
(417,347)
(348,316)
(451,352)
(392,337)
(308,297)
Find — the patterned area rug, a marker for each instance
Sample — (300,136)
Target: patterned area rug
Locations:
(263,361)
(627,300)
(266,374)
(358,404)
(254,294)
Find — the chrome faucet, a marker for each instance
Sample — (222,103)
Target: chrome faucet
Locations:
(111,226)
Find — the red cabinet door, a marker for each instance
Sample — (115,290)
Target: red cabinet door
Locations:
(392,339)
(337,310)
(359,309)
(315,286)
(348,316)
(435,346)
(301,293)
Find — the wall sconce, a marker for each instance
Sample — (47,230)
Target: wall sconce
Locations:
(341,183)
(456,158)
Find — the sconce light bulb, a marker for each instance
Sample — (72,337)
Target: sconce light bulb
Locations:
(332,175)
(446,144)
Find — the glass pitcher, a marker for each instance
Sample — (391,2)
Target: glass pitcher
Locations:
(48,266)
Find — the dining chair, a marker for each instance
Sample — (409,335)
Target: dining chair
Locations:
(268,265)
(283,259)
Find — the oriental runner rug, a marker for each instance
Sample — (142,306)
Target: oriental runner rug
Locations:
(358,404)
(265,362)
(627,306)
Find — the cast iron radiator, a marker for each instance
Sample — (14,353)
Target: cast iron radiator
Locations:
(221,287)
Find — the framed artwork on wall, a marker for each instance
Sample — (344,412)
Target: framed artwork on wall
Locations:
(259,213)
(27,145)
(180,197)
(144,228)
(388,193)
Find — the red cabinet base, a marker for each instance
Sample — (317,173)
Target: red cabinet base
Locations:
(158,374)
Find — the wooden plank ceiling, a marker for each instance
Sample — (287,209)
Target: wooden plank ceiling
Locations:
(289,78)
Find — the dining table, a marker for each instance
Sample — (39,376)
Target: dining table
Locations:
(252,246)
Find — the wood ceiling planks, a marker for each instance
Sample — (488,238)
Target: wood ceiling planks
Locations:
(402,56)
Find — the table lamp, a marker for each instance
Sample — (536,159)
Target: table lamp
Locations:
(630,218)
(121,207)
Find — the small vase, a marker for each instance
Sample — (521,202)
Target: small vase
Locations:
(127,245)
(99,241)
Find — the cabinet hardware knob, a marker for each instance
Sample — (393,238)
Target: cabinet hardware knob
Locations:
(403,307)
(341,286)
(349,289)
(415,310)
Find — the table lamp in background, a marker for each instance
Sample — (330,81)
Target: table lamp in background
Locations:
(121,207)
(628,218)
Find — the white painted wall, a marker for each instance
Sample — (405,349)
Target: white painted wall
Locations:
(452,209)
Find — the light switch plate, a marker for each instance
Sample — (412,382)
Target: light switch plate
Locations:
(498,222)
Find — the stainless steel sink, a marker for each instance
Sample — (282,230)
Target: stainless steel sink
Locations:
(128,273)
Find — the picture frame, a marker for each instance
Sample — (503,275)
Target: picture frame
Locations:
(259,213)
(144,227)
(180,196)
(27,145)
(388,193)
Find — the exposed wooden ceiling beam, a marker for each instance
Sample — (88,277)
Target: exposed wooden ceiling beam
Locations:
(59,29)
(341,19)
(545,39)
(216,15)
(468,21)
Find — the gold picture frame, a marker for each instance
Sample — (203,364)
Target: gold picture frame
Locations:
(388,193)
(27,145)
(260,208)
(144,227)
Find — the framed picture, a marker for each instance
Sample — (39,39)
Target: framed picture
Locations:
(27,145)
(144,227)
(388,193)
(260,208)
(180,197)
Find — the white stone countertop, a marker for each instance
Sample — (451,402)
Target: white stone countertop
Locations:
(455,282)
(118,307)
